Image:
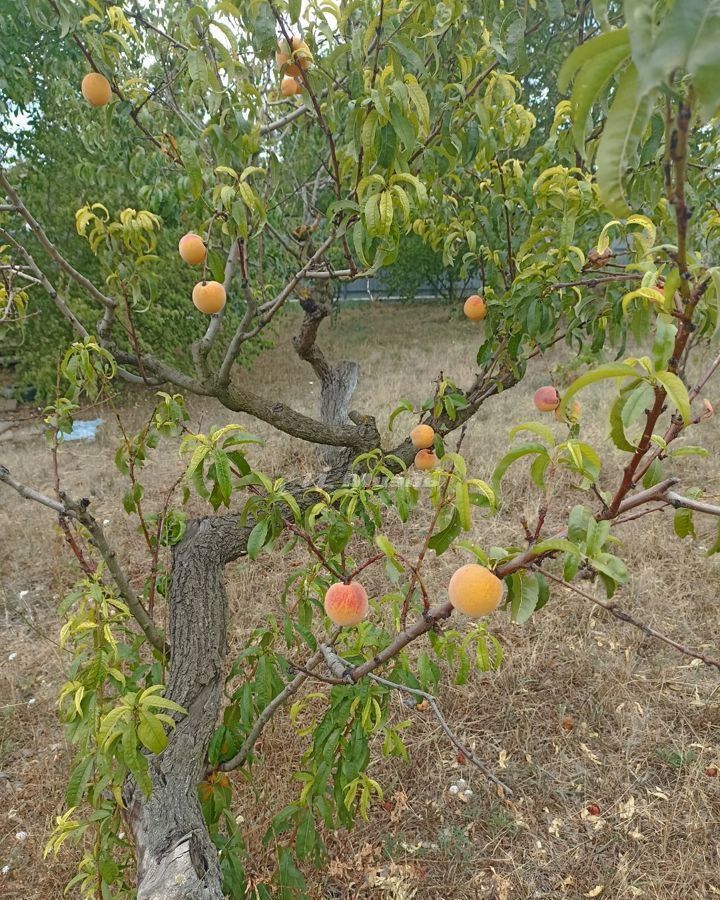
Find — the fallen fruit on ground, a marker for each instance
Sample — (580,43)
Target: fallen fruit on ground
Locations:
(594,810)
(192,249)
(475,590)
(475,308)
(209,296)
(546,399)
(425,459)
(96,89)
(289,86)
(422,437)
(346,604)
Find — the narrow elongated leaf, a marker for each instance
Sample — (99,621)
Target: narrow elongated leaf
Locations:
(610,370)
(589,83)
(515,454)
(677,392)
(587,51)
(624,127)
(617,431)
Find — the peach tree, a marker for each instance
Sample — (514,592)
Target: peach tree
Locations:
(294,146)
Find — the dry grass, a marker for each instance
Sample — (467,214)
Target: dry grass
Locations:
(584,710)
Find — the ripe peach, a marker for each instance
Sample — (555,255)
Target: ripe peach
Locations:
(546,399)
(425,459)
(346,604)
(475,590)
(96,89)
(289,86)
(422,437)
(209,296)
(475,308)
(293,57)
(192,249)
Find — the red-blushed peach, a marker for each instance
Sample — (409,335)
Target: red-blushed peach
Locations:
(425,459)
(475,308)
(209,296)
(346,604)
(422,437)
(96,89)
(546,399)
(192,249)
(475,590)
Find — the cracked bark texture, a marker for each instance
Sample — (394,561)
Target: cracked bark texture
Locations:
(176,858)
(338,382)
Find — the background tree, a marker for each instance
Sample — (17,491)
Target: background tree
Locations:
(405,118)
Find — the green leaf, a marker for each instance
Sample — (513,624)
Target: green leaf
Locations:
(617,431)
(515,454)
(664,343)
(525,597)
(588,51)
(676,41)
(622,136)
(151,732)
(704,66)
(683,523)
(441,541)
(78,780)
(256,540)
(609,370)
(589,84)
(223,479)
(677,392)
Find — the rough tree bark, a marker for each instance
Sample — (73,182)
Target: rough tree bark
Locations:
(176,859)
(337,383)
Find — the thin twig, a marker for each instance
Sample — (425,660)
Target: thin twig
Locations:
(624,616)
(342,669)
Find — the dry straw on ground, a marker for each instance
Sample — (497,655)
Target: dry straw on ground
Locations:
(585,716)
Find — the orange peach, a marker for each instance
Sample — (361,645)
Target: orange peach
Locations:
(425,459)
(346,604)
(192,249)
(475,308)
(546,399)
(96,89)
(422,437)
(209,296)
(290,58)
(475,590)
(289,86)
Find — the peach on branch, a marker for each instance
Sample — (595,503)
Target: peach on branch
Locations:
(425,459)
(475,308)
(192,249)
(475,590)
(291,58)
(209,296)
(289,86)
(346,604)
(96,89)
(546,399)
(422,436)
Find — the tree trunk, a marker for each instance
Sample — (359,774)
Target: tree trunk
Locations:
(176,859)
